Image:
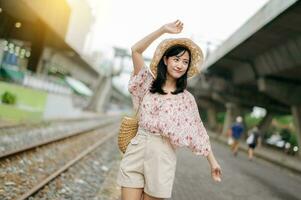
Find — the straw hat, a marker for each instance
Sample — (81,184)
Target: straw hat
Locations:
(197,57)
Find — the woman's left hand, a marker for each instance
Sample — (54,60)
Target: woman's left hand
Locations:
(216,172)
(173,27)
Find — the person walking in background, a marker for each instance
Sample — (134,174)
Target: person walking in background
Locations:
(253,140)
(168,117)
(236,131)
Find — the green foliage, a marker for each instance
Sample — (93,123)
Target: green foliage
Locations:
(268,133)
(284,120)
(251,121)
(8,98)
(204,116)
(285,134)
(221,117)
(293,140)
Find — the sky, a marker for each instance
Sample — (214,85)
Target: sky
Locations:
(123,22)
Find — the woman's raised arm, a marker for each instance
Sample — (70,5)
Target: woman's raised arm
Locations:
(140,46)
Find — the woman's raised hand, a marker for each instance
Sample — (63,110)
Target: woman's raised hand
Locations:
(173,27)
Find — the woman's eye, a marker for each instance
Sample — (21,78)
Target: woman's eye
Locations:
(176,59)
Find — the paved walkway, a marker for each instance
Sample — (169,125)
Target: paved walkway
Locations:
(241,179)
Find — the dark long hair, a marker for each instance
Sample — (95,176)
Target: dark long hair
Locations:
(160,80)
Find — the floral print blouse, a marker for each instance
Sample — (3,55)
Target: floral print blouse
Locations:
(174,116)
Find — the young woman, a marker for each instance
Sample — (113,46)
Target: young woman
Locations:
(168,117)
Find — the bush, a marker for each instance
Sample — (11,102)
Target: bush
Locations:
(251,121)
(268,133)
(8,98)
(284,119)
(293,140)
(285,134)
(221,117)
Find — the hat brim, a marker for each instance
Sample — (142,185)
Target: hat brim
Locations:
(197,57)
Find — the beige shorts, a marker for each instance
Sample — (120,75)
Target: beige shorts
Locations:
(150,163)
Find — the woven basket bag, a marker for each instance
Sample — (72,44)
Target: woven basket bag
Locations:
(128,130)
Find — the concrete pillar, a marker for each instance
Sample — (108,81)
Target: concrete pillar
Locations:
(265,122)
(211,111)
(105,95)
(229,118)
(37,45)
(296,112)
(102,94)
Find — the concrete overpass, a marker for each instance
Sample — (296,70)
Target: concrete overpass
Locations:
(259,65)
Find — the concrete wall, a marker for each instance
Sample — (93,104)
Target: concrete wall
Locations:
(36,105)
(60,106)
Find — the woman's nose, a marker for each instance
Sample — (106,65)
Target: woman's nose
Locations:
(179,65)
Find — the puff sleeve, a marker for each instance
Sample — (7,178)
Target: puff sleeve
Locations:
(199,144)
(139,84)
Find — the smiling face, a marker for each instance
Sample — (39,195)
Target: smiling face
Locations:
(177,65)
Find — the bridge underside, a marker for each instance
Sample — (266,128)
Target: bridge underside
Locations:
(263,70)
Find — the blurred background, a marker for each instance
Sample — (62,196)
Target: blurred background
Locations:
(70,59)
(67,58)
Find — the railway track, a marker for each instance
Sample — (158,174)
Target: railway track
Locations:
(27,172)
(19,138)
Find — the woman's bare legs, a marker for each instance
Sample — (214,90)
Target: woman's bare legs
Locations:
(131,193)
(147,197)
(250,153)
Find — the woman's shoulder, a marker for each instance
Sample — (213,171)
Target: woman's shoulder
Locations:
(143,76)
(188,94)
(145,70)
